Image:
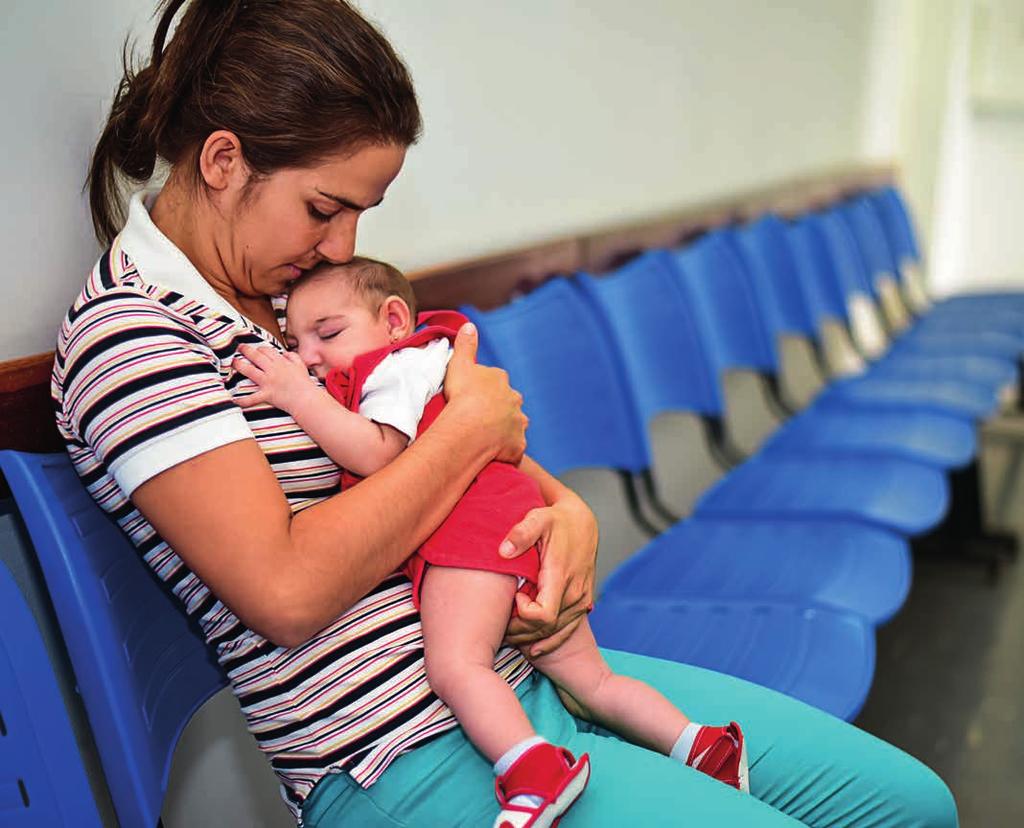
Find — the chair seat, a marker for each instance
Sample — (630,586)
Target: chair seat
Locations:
(841,565)
(940,440)
(909,498)
(960,399)
(823,657)
(986,372)
(974,334)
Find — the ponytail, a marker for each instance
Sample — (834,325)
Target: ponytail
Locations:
(295,81)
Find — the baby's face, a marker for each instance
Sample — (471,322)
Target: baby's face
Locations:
(329,327)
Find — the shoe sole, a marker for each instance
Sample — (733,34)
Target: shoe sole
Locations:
(744,770)
(566,799)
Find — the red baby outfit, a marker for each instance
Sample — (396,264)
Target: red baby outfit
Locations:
(495,501)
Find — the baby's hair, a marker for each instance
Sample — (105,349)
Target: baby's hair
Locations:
(368,279)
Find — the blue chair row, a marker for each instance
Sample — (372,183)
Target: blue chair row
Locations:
(600,360)
(786,560)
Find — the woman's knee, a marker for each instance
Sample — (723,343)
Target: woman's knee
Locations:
(929,799)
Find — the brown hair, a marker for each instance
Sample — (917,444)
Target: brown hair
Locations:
(296,81)
(368,279)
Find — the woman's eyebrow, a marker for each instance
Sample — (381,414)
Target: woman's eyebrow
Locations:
(345,202)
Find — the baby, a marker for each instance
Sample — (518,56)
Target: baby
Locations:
(353,326)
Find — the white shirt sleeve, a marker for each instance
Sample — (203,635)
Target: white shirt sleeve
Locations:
(399,388)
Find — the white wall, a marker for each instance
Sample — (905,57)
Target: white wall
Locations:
(962,164)
(59,63)
(541,118)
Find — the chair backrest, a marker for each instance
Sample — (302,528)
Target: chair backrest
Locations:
(142,669)
(854,277)
(896,219)
(869,236)
(560,358)
(42,781)
(773,274)
(814,268)
(657,336)
(715,281)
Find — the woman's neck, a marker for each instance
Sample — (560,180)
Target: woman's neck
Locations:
(193,226)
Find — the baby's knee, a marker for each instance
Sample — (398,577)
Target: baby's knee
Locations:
(447,671)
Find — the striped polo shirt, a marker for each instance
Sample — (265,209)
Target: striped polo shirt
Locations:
(143,381)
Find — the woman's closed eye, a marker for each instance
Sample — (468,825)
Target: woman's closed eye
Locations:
(319,215)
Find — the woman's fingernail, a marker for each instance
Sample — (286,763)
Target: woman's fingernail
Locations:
(506,548)
(469,329)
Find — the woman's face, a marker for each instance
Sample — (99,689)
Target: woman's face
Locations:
(295,218)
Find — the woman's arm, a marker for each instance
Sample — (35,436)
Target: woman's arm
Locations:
(287,576)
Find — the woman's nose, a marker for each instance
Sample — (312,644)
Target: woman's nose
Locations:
(339,242)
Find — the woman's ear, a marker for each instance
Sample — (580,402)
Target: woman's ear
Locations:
(221,162)
(398,316)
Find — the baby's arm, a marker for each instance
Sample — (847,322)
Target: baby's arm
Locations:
(352,441)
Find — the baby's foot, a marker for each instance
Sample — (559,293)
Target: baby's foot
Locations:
(547,775)
(721,752)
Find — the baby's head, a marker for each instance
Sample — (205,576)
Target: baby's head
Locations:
(337,312)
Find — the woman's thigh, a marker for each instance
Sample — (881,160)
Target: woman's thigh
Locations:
(803,762)
(805,767)
(446,782)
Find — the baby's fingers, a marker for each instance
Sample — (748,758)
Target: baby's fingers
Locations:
(259,355)
(250,400)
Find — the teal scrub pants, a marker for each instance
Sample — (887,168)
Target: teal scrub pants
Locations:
(806,768)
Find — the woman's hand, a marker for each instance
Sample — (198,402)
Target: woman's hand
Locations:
(482,396)
(282,379)
(566,536)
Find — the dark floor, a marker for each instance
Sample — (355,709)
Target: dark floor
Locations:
(949,686)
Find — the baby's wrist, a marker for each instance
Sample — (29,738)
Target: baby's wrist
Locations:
(302,397)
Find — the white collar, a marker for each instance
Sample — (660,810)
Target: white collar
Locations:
(160,263)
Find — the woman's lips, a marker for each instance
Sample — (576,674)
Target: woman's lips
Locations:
(295,270)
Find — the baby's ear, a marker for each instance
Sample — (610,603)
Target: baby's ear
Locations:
(398,316)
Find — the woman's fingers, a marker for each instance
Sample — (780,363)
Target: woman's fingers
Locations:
(524,534)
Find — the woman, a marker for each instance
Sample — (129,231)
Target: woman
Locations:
(281,124)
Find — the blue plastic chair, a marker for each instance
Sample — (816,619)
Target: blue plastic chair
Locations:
(740,339)
(871,386)
(42,781)
(141,668)
(581,416)
(661,338)
(899,229)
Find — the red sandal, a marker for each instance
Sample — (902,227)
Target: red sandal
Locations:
(547,771)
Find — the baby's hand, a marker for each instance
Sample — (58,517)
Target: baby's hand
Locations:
(282,379)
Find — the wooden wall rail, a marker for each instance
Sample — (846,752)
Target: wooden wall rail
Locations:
(26,415)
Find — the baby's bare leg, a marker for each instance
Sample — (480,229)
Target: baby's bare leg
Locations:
(591,691)
(465,613)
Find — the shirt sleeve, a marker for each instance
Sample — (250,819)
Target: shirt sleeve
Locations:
(400,387)
(143,391)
